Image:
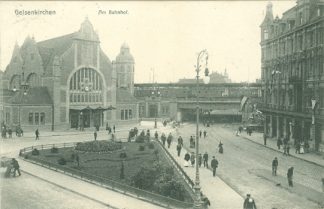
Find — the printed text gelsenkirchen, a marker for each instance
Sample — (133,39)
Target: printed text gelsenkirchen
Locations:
(35,12)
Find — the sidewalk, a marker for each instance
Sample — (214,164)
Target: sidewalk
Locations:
(220,195)
(311,157)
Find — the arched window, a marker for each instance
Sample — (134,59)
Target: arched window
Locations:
(87,83)
(15,82)
(33,80)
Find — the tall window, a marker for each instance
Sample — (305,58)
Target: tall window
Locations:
(122,115)
(130,116)
(42,118)
(87,84)
(31,118)
(36,118)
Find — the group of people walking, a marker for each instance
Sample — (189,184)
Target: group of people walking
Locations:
(290,172)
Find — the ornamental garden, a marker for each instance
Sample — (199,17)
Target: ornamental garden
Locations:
(139,165)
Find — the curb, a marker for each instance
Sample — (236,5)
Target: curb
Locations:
(244,137)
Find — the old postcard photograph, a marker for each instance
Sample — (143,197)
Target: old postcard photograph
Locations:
(162,104)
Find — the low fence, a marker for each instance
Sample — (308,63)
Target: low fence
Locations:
(179,168)
(147,196)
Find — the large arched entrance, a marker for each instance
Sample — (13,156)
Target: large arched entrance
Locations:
(86,99)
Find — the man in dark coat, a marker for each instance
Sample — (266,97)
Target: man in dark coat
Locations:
(179,149)
(249,203)
(274,166)
(114,128)
(95,134)
(37,134)
(156,135)
(180,141)
(163,138)
(214,165)
(265,139)
(169,140)
(15,165)
(279,143)
(205,156)
(200,133)
(290,174)
(205,133)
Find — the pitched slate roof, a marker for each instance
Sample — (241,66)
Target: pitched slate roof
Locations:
(124,96)
(55,46)
(35,96)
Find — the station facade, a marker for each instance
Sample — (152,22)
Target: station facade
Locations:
(68,82)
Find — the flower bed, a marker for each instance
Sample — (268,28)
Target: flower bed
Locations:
(98,146)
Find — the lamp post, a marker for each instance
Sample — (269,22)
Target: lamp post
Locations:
(202,56)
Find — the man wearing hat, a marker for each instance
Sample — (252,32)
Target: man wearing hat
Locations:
(214,165)
(249,202)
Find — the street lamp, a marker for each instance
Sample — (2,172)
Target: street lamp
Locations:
(202,56)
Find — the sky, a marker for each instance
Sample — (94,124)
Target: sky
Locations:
(164,37)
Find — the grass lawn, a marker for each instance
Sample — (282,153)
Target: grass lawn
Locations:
(108,165)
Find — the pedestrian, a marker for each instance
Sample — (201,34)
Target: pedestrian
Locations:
(274,166)
(205,159)
(249,203)
(279,143)
(10,132)
(180,141)
(95,134)
(214,165)
(192,159)
(169,140)
(186,159)
(192,142)
(156,135)
(240,129)
(15,165)
(205,133)
(199,160)
(290,174)
(285,149)
(179,149)
(109,130)
(37,134)
(297,146)
(200,133)
(163,138)
(265,139)
(114,128)
(288,148)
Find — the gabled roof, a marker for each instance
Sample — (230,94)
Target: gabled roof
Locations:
(124,96)
(48,49)
(35,96)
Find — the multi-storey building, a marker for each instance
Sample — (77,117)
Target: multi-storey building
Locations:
(68,82)
(293,73)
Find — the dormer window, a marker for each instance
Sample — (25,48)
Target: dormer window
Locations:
(266,34)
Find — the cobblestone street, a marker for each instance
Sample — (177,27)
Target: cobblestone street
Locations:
(246,166)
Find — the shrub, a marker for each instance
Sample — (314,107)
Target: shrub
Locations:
(61,161)
(26,157)
(151,145)
(123,155)
(54,150)
(98,146)
(35,152)
(141,148)
(140,139)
